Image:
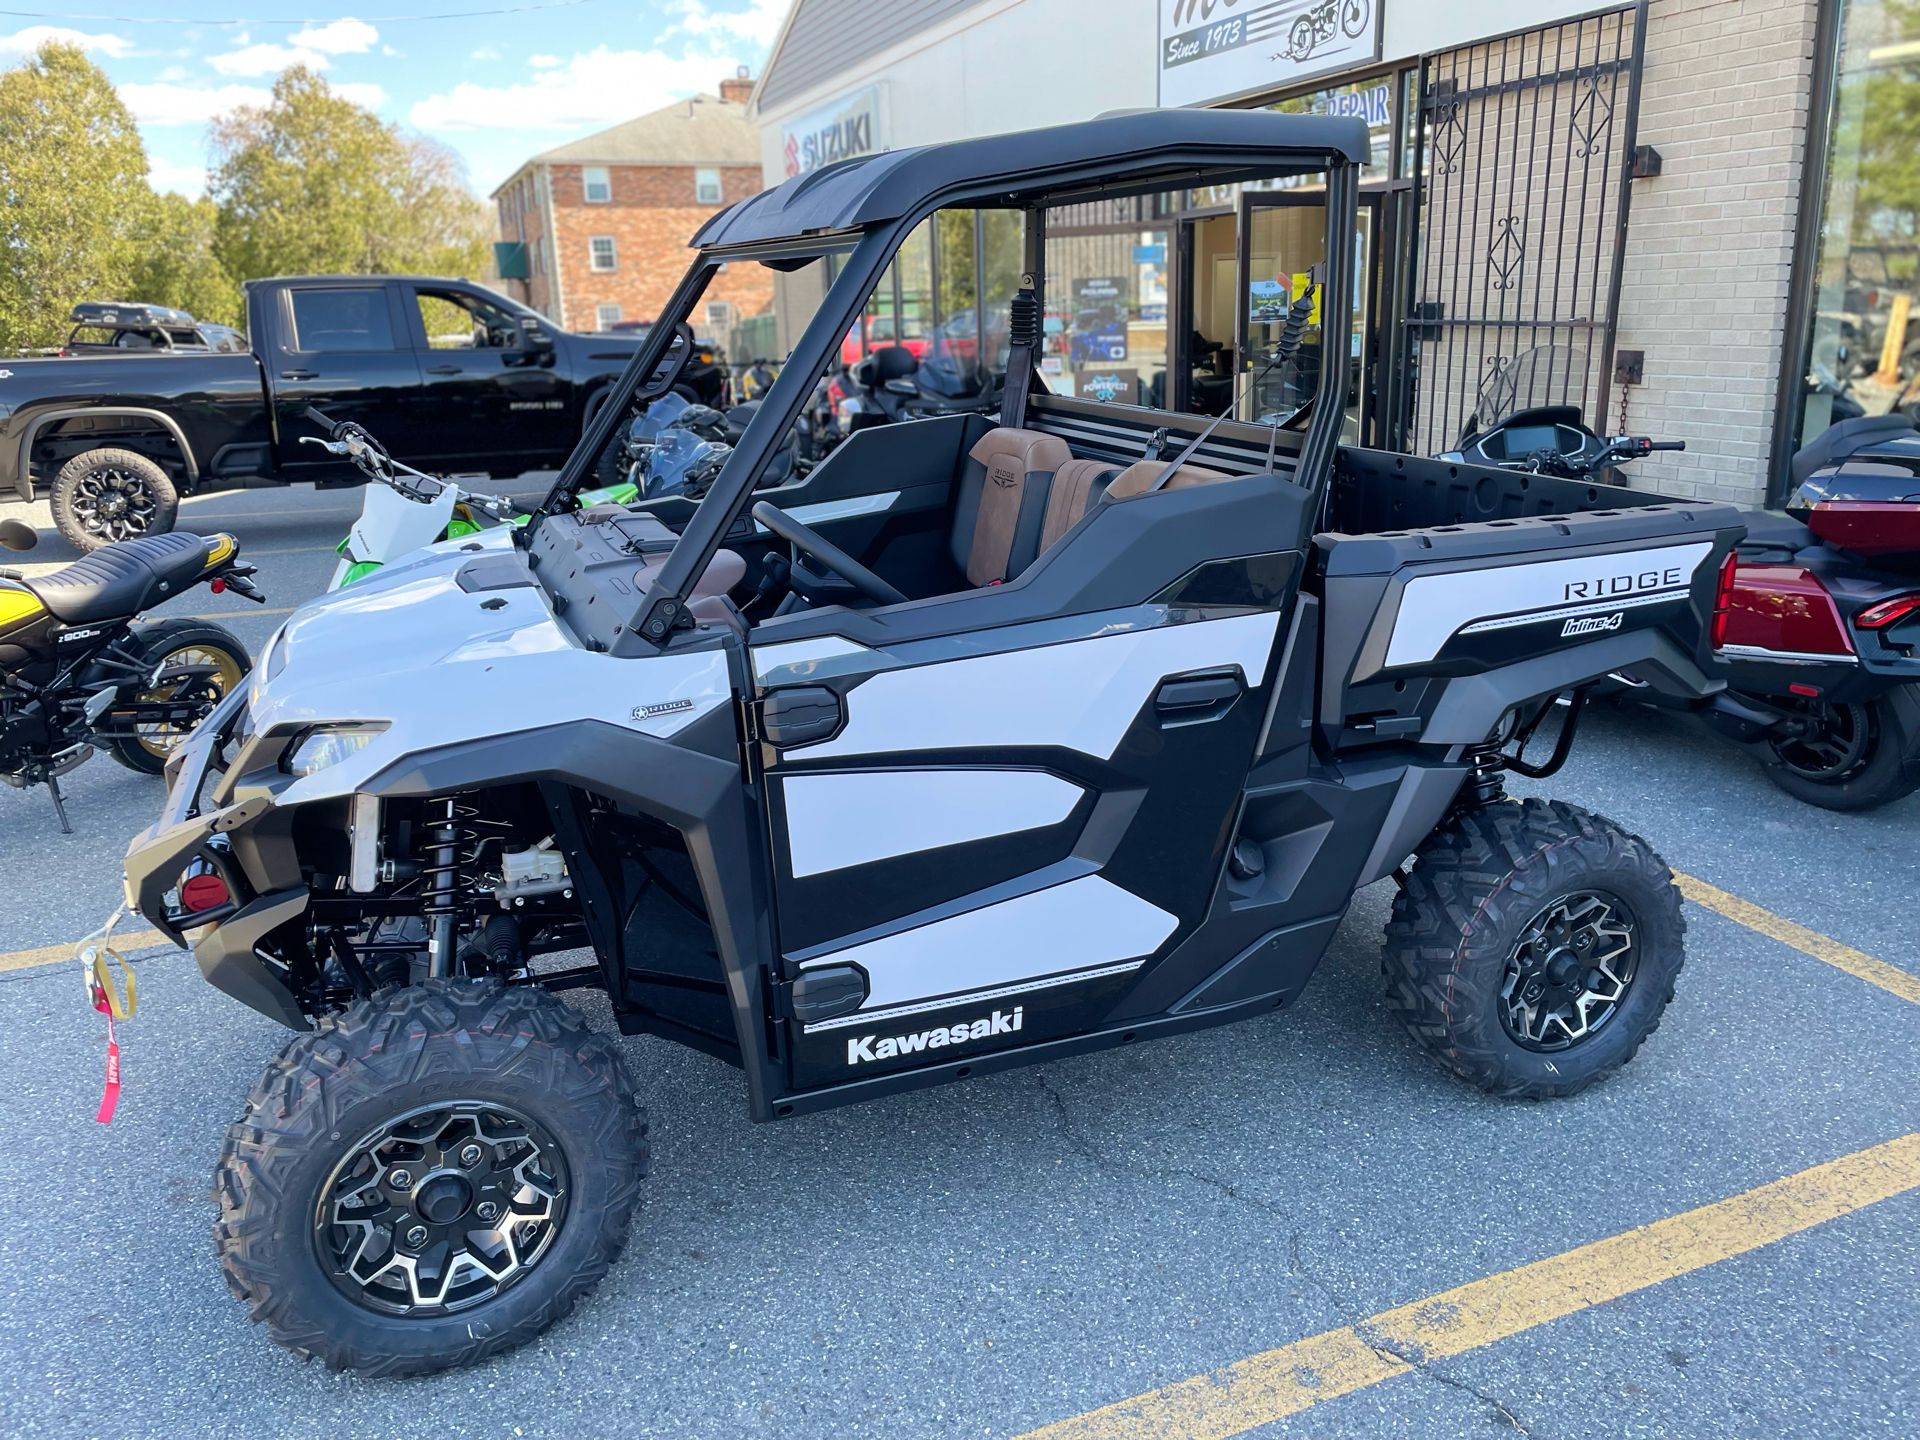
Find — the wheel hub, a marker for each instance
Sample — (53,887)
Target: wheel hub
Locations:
(441,1209)
(1569,971)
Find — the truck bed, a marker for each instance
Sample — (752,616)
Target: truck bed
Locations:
(1451,589)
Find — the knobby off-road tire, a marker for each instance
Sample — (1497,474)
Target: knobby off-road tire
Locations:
(108,494)
(193,642)
(424,1049)
(1475,903)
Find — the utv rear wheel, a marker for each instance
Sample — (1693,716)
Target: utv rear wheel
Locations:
(1533,947)
(106,495)
(1862,755)
(430,1178)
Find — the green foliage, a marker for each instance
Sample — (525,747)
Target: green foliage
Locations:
(177,265)
(73,182)
(313,184)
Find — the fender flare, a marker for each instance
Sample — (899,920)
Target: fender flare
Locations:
(23,481)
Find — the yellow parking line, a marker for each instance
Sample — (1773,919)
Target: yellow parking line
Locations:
(1277,1383)
(127,944)
(1856,963)
(230,614)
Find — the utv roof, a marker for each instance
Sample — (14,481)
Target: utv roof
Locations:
(1122,154)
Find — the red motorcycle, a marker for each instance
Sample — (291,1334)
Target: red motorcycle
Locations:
(1819,618)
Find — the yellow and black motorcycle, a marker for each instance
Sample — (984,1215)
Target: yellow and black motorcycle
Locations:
(76,672)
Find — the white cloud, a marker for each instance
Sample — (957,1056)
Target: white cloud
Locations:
(166,104)
(337,37)
(758,24)
(313,47)
(266,58)
(545,62)
(601,87)
(485,52)
(25,42)
(362,93)
(188,180)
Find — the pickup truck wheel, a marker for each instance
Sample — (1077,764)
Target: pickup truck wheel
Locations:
(431,1177)
(101,496)
(1863,755)
(1533,947)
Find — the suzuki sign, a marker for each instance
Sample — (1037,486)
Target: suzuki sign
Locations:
(840,130)
(1221,49)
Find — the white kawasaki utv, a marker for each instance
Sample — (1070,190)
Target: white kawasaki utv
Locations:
(986,743)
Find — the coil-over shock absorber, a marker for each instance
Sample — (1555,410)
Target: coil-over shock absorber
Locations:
(441,877)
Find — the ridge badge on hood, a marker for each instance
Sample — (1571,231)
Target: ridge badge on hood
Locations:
(874,1047)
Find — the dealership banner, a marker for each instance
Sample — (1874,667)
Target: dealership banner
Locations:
(1220,49)
(839,130)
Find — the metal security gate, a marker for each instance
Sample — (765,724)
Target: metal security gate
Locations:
(1525,148)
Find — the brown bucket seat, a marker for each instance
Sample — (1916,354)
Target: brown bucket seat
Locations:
(1002,504)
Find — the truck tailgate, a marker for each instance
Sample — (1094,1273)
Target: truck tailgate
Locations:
(1419,623)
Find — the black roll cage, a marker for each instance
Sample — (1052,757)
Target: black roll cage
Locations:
(870,249)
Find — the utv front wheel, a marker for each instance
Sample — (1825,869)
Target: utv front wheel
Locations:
(430,1178)
(1533,947)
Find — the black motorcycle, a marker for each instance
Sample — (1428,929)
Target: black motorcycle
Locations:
(76,671)
(891,385)
(1818,622)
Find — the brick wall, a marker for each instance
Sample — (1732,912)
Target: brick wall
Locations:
(523,217)
(652,216)
(1725,97)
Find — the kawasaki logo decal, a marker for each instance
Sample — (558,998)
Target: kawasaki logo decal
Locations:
(874,1047)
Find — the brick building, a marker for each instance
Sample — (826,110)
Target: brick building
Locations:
(602,223)
(1705,201)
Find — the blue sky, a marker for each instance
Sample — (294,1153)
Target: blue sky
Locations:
(497,88)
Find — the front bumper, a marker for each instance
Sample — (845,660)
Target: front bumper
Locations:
(238,838)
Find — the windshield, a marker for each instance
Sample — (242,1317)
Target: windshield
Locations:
(1544,375)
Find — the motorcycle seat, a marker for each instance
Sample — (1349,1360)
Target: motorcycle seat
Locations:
(1773,537)
(122,579)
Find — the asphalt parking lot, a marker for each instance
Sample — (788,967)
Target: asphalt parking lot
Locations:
(1221,1230)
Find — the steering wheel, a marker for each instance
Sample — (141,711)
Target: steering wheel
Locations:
(806,542)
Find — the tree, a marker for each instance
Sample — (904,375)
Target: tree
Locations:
(177,265)
(73,193)
(311,183)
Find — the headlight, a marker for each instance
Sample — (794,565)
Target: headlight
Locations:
(320,749)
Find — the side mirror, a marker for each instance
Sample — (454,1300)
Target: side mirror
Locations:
(15,536)
(532,336)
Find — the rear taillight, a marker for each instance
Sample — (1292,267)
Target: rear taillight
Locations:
(1887,612)
(1723,598)
(203,892)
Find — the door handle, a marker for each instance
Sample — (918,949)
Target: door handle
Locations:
(443,369)
(299,374)
(1187,695)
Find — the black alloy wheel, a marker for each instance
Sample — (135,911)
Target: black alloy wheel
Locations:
(1569,971)
(441,1209)
(1840,745)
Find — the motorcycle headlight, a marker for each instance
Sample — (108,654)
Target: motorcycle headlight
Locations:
(319,750)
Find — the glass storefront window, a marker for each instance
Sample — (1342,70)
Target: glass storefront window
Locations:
(1864,352)
(1106,311)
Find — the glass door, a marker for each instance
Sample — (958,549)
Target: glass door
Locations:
(1283,243)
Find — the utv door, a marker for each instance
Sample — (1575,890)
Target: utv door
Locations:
(986,839)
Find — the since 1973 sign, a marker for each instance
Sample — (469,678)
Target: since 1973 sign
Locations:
(1218,49)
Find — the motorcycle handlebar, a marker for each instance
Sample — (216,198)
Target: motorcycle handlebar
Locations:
(1666,445)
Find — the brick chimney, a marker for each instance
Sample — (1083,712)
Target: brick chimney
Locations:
(737,88)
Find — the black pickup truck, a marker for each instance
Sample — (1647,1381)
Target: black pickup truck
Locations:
(449,375)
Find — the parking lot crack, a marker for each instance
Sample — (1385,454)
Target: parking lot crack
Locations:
(1386,1349)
